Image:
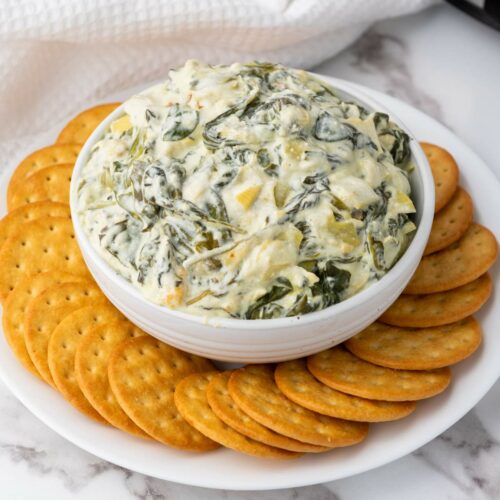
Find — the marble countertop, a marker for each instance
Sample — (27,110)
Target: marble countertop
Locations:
(445,64)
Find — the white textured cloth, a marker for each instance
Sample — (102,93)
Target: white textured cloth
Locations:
(59,56)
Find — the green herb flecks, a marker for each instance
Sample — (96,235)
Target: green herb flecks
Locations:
(331,129)
(264,307)
(180,122)
(392,138)
(314,186)
(332,283)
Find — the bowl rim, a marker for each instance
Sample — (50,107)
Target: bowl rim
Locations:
(413,252)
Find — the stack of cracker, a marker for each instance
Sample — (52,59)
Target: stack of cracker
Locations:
(63,329)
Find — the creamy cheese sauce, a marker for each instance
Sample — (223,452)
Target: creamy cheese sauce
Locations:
(248,191)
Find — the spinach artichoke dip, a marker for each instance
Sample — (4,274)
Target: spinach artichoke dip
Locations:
(247,191)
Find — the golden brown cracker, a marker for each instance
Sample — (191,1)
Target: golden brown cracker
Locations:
(78,130)
(442,308)
(417,348)
(223,405)
(345,372)
(451,222)
(27,213)
(14,310)
(296,382)
(254,390)
(460,263)
(444,171)
(46,244)
(143,373)
(91,369)
(50,183)
(56,154)
(63,344)
(191,401)
(47,310)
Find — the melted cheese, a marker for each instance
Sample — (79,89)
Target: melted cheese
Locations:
(248,191)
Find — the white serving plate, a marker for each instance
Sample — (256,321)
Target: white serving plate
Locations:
(225,469)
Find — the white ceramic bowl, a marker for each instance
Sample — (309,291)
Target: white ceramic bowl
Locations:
(254,341)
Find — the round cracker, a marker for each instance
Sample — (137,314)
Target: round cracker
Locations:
(223,405)
(47,310)
(460,263)
(451,222)
(78,130)
(436,309)
(417,348)
(91,369)
(296,382)
(27,213)
(445,173)
(63,344)
(50,183)
(191,401)
(143,373)
(254,390)
(56,154)
(46,244)
(14,310)
(339,369)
